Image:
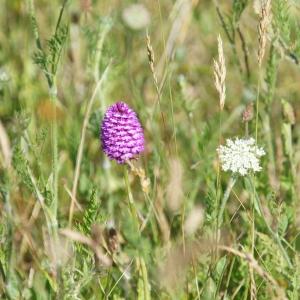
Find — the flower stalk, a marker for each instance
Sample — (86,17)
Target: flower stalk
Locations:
(53,96)
(225,198)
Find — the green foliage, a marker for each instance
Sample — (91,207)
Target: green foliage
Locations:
(282,19)
(154,251)
(95,37)
(21,166)
(48,61)
(94,123)
(238,6)
(92,213)
(286,29)
(55,46)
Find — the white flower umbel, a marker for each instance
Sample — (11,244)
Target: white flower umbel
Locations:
(240,156)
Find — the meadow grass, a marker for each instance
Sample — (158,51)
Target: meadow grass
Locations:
(171,224)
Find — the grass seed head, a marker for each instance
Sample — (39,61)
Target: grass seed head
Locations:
(220,73)
(194,220)
(264,21)
(248,113)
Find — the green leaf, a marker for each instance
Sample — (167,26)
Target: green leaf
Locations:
(209,290)
(238,6)
(220,267)
(143,284)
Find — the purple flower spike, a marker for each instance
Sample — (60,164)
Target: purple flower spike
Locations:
(122,135)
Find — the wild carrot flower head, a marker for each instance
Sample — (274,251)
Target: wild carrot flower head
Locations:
(122,135)
(240,156)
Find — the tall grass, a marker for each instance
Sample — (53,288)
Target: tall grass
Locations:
(171,224)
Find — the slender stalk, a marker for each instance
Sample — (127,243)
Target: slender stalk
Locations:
(229,277)
(131,204)
(167,66)
(252,280)
(54,203)
(117,282)
(218,193)
(41,202)
(230,185)
(51,80)
(134,214)
(81,144)
(144,274)
(54,206)
(246,128)
(60,15)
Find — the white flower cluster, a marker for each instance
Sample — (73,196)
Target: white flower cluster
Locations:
(240,156)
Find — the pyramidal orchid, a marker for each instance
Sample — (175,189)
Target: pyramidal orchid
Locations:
(121,134)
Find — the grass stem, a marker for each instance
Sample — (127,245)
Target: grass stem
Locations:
(226,195)
(81,144)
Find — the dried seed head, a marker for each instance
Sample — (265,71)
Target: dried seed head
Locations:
(136,16)
(264,21)
(112,239)
(288,112)
(140,172)
(194,220)
(150,53)
(248,113)
(220,73)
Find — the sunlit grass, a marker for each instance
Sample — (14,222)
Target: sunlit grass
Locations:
(172,223)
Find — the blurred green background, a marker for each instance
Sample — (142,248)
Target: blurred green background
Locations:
(180,159)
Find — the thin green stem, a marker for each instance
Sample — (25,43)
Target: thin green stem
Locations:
(54,206)
(168,76)
(82,140)
(144,275)
(51,80)
(131,203)
(252,280)
(134,214)
(246,128)
(228,277)
(60,15)
(218,193)
(229,188)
